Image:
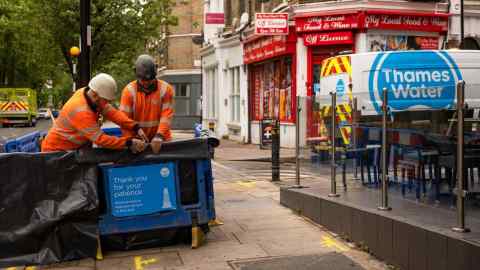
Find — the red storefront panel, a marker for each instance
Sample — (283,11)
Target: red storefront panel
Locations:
(266,47)
(373,19)
(405,22)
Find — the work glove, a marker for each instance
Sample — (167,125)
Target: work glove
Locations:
(137,146)
(141,134)
(156,144)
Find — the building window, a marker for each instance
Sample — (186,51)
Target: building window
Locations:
(234,75)
(182,89)
(182,98)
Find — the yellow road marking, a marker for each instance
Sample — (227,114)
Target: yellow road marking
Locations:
(247,184)
(332,243)
(140,262)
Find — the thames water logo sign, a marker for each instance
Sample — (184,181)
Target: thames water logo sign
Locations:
(165,172)
(340,87)
(414,80)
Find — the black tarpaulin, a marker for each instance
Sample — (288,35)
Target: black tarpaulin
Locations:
(49,203)
(192,149)
(48,208)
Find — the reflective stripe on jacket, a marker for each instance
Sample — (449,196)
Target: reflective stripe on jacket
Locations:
(153,112)
(77,125)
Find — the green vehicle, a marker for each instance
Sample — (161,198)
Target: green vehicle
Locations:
(18,106)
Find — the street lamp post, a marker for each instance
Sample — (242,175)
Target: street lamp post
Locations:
(74,53)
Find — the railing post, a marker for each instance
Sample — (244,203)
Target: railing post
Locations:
(461,192)
(333,165)
(297,144)
(384,191)
(354,137)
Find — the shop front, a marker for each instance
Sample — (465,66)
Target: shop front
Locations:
(271,76)
(330,33)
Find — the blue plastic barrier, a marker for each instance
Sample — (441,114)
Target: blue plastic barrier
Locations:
(26,143)
(162,195)
(114,131)
(11,146)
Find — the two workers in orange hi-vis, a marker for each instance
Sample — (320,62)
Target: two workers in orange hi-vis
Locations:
(145,113)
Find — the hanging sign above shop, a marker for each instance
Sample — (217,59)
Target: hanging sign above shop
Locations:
(328,38)
(271,23)
(214,18)
(326,23)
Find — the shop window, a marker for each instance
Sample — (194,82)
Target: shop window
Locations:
(272,94)
(234,94)
(401,43)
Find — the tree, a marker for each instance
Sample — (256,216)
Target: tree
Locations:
(26,55)
(120,28)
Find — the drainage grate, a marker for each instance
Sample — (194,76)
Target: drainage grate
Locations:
(329,261)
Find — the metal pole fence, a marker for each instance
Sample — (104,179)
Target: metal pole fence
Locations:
(354,135)
(333,165)
(384,191)
(461,192)
(297,144)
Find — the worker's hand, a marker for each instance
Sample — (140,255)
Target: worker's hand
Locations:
(141,134)
(156,144)
(137,146)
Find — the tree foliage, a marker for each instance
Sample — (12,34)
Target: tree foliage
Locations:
(27,53)
(36,35)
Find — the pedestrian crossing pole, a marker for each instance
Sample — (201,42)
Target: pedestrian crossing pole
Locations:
(275,150)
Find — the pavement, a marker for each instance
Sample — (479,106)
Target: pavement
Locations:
(257,232)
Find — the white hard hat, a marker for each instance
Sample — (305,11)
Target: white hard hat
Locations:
(104,85)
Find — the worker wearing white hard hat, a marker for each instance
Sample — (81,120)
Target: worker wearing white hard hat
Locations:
(78,121)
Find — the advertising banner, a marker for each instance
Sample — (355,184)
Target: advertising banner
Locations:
(401,43)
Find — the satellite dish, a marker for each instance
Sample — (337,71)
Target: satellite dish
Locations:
(244,19)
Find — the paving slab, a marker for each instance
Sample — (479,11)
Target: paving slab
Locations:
(305,262)
(217,252)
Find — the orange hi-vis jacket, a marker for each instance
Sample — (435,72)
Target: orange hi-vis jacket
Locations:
(153,111)
(77,125)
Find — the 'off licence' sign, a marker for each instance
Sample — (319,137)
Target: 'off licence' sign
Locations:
(271,23)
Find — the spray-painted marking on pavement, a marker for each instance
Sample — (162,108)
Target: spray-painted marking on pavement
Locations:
(247,184)
(332,243)
(140,262)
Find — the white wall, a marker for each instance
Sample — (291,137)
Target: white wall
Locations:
(302,69)
(255,132)
(210,30)
(471,24)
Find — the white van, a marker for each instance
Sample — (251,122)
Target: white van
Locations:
(415,81)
